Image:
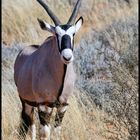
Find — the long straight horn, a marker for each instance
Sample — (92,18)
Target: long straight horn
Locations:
(50,13)
(74,13)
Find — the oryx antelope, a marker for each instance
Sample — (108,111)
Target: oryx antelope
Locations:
(44,74)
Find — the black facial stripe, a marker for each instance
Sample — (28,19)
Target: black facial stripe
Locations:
(58,42)
(65,27)
(66,42)
(73,44)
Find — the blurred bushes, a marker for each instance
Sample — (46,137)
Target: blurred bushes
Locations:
(107,63)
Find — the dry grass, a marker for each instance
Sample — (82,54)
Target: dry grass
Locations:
(19,19)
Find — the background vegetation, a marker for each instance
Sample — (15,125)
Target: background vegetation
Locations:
(104,105)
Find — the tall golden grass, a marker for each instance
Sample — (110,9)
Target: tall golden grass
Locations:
(19,18)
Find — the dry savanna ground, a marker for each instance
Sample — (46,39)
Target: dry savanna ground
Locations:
(105,96)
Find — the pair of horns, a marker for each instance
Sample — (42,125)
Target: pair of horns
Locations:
(53,16)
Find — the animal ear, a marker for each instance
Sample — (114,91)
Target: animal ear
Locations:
(45,26)
(79,23)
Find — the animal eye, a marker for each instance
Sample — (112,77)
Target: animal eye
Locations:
(73,34)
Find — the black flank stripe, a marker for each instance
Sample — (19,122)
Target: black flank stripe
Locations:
(62,86)
(36,104)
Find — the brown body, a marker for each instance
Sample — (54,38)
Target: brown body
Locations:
(40,73)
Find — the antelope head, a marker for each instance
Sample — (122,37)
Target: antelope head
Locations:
(64,32)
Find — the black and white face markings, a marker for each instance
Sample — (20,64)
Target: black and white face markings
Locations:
(65,35)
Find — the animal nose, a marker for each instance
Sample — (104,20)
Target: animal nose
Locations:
(67,58)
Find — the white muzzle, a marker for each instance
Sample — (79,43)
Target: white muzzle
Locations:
(67,56)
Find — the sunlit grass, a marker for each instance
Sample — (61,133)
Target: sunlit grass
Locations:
(19,18)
